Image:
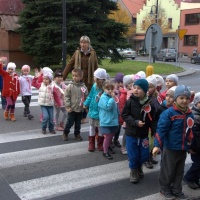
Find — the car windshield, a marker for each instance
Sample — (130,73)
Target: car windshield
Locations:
(171,51)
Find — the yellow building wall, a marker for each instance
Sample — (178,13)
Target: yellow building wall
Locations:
(171,11)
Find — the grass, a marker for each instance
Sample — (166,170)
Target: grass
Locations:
(129,67)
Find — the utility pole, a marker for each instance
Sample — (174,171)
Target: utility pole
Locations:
(64,35)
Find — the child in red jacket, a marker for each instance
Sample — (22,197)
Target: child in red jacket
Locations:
(11,89)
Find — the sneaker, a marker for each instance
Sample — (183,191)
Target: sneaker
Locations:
(191,184)
(167,195)
(123,151)
(134,176)
(53,132)
(181,196)
(44,131)
(78,137)
(65,137)
(110,150)
(30,117)
(117,144)
(59,128)
(148,165)
(108,156)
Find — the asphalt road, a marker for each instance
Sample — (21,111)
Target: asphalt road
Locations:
(36,166)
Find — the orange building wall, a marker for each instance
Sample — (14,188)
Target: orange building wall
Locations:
(191,30)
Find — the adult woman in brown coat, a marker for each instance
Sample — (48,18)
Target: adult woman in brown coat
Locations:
(83,58)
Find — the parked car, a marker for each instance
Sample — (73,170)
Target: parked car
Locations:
(166,55)
(127,53)
(195,59)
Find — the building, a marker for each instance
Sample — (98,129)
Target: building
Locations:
(10,40)
(190,21)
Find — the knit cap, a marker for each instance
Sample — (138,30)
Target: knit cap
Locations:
(26,67)
(173,77)
(100,73)
(141,74)
(196,98)
(46,69)
(182,90)
(127,79)
(11,65)
(160,80)
(143,84)
(152,79)
(48,74)
(119,77)
(171,91)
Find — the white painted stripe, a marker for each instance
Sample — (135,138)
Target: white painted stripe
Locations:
(30,134)
(74,180)
(43,154)
(186,190)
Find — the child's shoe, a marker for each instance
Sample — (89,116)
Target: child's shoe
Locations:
(12,117)
(117,144)
(62,125)
(190,184)
(78,137)
(108,156)
(148,165)
(58,128)
(30,117)
(181,196)
(134,176)
(110,150)
(123,151)
(167,195)
(6,115)
(53,132)
(44,131)
(64,136)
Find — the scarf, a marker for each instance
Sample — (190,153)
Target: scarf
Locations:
(184,110)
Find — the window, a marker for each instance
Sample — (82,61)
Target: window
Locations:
(192,19)
(190,40)
(170,23)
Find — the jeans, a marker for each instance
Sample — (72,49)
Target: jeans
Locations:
(47,112)
(74,118)
(138,151)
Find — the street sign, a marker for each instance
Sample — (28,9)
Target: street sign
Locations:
(153,39)
(181,33)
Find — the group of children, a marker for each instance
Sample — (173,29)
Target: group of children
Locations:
(153,121)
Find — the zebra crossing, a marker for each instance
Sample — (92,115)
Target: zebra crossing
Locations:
(34,99)
(37,166)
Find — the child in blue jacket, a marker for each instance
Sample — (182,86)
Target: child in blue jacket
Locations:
(108,115)
(174,134)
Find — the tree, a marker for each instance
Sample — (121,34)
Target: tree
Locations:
(121,15)
(41,25)
(162,21)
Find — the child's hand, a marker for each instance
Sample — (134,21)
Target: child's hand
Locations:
(155,151)
(84,107)
(69,110)
(141,124)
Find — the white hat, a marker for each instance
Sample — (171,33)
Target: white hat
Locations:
(47,69)
(48,74)
(100,73)
(141,74)
(171,91)
(152,79)
(173,77)
(11,65)
(197,98)
(160,80)
(127,79)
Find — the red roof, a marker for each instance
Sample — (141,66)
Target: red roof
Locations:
(10,7)
(133,6)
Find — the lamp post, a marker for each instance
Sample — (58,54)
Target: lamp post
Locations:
(156,19)
(64,35)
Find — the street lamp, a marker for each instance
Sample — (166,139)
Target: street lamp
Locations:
(64,35)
